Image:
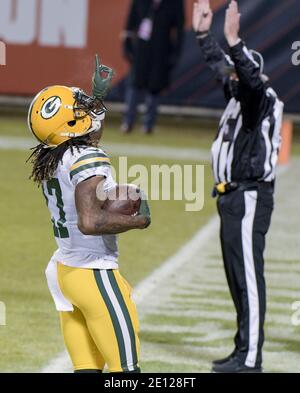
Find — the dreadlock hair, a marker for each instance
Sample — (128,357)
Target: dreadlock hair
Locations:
(45,160)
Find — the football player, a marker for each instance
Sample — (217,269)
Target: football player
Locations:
(98,317)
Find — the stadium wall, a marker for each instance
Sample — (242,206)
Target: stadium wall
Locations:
(53,42)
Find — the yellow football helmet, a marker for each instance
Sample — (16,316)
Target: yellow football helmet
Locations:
(59,113)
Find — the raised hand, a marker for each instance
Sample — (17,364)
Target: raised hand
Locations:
(232,23)
(101,80)
(202,16)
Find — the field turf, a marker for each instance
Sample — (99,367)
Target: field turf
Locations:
(177,336)
(31,336)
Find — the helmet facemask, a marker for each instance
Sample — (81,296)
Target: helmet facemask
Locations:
(86,105)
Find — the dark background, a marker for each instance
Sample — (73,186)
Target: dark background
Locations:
(269,26)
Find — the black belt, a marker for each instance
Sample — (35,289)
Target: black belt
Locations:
(227,188)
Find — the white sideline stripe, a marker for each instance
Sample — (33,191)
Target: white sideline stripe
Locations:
(145,288)
(171,153)
(175,262)
(121,149)
(59,364)
(16,143)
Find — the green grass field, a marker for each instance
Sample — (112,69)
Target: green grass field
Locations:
(31,337)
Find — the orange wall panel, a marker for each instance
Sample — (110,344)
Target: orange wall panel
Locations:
(34,65)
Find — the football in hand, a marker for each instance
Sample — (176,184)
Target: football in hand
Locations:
(123,199)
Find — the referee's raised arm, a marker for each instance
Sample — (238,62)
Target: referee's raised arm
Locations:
(248,68)
(244,158)
(217,60)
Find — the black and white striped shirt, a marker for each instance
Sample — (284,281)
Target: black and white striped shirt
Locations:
(238,156)
(248,139)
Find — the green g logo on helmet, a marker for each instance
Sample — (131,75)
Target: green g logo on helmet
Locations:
(51,107)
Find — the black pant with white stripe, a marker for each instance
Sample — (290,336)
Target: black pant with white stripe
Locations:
(245,220)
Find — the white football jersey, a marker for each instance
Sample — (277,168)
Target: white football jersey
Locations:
(74,248)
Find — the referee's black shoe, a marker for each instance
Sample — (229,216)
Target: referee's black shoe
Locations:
(235,366)
(224,360)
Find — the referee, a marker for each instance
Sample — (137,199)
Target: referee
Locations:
(244,157)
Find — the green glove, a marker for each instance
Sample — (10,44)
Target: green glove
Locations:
(144,208)
(101,84)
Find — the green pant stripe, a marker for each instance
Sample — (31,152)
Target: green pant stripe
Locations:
(87,166)
(126,314)
(114,319)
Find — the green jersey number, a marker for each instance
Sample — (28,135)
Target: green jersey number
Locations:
(58,226)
